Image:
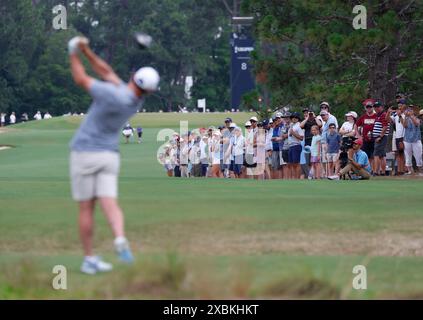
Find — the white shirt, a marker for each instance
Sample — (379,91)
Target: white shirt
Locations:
(216,151)
(238,146)
(347,127)
(3,118)
(38,116)
(332,117)
(12,119)
(399,128)
(297,129)
(269,145)
(47,116)
(249,143)
(203,149)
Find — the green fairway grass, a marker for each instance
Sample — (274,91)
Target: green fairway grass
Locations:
(203,238)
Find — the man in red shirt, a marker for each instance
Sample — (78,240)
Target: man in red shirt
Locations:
(365,126)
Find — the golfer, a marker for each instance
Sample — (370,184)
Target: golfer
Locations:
(94,158)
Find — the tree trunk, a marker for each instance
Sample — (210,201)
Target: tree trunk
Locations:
(383,78)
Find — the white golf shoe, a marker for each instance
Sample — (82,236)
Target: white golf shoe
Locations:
(92,265)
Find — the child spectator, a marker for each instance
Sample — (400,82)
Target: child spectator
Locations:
(316,151)
(333,141)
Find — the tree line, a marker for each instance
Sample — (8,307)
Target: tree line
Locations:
(191,38)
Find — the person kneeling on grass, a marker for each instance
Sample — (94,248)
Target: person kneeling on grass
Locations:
(358,164)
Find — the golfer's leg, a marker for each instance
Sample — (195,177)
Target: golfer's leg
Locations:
(86,225)
(114,215)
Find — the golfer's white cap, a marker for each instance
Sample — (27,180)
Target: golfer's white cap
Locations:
(254,119)
(147,78)
(248,124)
(232,125)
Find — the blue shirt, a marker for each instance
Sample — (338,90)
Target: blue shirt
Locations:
(333,141)
(411,133)
(361,158)
(113,105)
(276,145)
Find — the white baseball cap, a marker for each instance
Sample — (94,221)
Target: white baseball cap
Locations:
(352,114)
(232,125)
(248,124)
(147,78)
(278,115)
(254,119)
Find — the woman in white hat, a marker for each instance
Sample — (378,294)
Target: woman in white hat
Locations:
(349,128)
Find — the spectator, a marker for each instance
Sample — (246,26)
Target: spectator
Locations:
(184,153)
(324,106)
(349,128)
(194,157)
(215,153)
(295,136)
(47,115)
(277,143)
(251,148)
(316,151)
(412,140)
(2,119)
(380,134)
(268,126)
(177,157)
(333,141)
(394,116)
(358,164)
(326,120)
(38,116)
(286,125)
(24,117)
(12,118)
(238,152)
(259,171)
(308,122)
(204,155)
(167,161)
(365,126)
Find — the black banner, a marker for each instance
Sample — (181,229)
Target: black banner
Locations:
(241,74)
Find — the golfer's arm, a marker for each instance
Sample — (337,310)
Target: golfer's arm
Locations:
(78,72)
(101,67)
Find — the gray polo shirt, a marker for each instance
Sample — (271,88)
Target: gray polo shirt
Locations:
(112,106)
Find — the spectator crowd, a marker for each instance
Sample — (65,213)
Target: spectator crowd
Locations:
(11,119)
(381,141)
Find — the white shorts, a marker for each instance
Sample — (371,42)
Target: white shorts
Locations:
(332,157)
(94,174)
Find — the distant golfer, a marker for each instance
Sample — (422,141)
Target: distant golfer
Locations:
(139,132)
(128,132)
(94,158)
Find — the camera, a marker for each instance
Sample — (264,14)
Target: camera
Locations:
(346,144)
